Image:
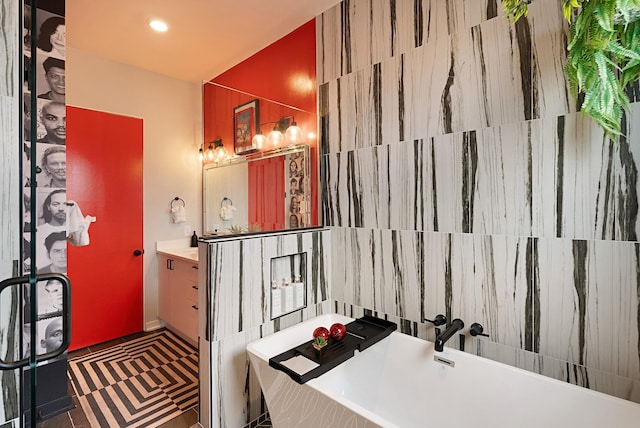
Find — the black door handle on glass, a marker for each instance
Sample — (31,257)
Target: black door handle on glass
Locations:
(66,317)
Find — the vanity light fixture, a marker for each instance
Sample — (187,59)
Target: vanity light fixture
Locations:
(275,137)
(158,25)
(201,154)
(293,135)
(219,152)
(258,140)
(287,125)
(210,151)
(216,152)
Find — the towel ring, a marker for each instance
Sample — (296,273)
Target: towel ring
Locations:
(178,199)
(225,202)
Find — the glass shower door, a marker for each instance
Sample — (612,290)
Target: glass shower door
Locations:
(34,331)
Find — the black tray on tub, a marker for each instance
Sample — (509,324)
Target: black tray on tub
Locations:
(361,333)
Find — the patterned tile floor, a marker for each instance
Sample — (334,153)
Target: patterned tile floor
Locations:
(140,383)
(76,418)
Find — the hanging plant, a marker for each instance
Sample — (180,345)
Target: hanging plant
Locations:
(603,54)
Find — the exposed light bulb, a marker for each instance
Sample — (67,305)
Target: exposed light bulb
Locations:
(258,141)
(201,154)
(220,153)
(275,138)
(294,134)
(210,152)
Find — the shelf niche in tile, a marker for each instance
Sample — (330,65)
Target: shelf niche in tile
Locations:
(288,284)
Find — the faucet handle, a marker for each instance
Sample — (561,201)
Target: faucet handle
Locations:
(438,320)
(476,329)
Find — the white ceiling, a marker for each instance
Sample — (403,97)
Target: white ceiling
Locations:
(205,37)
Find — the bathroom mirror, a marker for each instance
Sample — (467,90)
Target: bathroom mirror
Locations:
(264,192)
(258,175)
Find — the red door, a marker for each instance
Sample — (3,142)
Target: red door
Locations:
(104,170)
(266,193)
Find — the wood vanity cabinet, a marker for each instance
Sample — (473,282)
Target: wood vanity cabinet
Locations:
(178,296)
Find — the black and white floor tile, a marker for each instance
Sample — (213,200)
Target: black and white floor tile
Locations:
(145,382)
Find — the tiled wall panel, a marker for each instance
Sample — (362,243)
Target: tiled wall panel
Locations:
(239,304)
(241,277)
(10,221)
(549,31)
(458,173)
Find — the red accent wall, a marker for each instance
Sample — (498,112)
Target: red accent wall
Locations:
(284,71)
(273,72)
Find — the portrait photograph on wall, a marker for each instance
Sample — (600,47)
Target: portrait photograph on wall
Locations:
(49,334)
(52,161)
(245,125)
(295,185)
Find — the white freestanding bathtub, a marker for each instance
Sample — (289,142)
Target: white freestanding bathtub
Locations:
(397,383)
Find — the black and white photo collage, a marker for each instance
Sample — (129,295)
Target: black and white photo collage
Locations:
(295,182)
(48,230)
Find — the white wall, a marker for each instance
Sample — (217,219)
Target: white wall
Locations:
(171,110)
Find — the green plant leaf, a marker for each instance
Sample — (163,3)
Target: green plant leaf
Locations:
(621,52)
(515,9)
(603,55)
(603,13)
(320,341)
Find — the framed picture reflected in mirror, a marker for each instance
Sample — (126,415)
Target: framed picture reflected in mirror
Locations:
(245,124)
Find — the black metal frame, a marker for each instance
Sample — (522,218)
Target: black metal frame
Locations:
(66,319)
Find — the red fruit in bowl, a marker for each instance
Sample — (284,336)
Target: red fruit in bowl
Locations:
(338,331)
(321,331)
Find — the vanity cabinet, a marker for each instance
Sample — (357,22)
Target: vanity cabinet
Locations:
(178,296)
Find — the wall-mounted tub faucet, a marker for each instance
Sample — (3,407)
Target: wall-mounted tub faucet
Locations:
(438,320)
(456,325)
(476,329)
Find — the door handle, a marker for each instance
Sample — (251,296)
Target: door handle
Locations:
(66,318)
(138,252)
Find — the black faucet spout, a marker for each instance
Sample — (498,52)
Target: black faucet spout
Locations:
(456,325)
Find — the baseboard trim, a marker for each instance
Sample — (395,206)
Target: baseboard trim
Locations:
(153,325)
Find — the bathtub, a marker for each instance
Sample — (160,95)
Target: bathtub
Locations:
(397,383)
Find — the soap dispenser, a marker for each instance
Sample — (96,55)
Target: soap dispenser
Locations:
(194,239)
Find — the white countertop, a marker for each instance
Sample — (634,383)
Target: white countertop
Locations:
(178,248)
(188,254)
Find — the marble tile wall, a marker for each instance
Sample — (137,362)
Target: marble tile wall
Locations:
(10,330)
(238,273)
(460,179)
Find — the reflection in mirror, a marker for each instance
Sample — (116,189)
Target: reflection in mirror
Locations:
(260,164)
(263,192)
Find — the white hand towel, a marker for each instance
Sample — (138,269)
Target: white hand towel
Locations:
(226,212)
(77,225)
(178,214)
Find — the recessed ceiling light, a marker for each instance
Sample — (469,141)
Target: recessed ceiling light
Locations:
(158,25)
